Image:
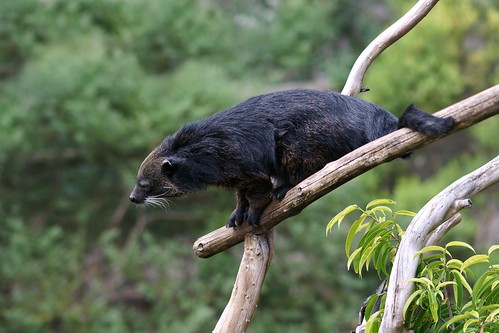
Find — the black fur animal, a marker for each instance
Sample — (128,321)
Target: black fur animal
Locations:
(264,146)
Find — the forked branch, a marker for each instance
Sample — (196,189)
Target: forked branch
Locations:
(393,33)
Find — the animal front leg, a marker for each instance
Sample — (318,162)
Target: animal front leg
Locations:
(238,215)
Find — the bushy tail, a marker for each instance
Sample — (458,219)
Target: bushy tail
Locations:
(423,122)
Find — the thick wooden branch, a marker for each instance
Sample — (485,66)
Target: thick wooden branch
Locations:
(258,252)
(425,228)
(466,113)
(443,229)
(393,33)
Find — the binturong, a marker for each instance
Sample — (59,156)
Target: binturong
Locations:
(267,144)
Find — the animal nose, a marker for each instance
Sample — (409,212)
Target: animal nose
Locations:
(133,198)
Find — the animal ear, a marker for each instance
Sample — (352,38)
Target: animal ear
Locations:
(168,167)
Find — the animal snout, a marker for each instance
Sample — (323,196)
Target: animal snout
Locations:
(133,198)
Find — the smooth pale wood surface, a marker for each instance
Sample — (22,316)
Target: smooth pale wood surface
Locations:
(258,252)
(393,33)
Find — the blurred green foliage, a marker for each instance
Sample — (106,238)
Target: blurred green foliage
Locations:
(89,87)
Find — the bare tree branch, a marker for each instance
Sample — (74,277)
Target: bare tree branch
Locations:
(453,217)
(383,41)
(466,113)
(422,229)
(258,252)
(442,229)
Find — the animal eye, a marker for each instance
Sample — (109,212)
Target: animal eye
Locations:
(167,168)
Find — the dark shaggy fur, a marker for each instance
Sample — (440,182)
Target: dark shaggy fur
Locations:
(264,146)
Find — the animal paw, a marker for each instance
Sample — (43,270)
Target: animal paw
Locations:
(253,216)
(237,217)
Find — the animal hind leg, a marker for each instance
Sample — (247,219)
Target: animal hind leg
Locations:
(280,187)
(258,197)
(280,192)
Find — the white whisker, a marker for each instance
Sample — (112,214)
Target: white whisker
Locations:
(158,201)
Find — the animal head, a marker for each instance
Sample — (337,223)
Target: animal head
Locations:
(159,177)
(181,164)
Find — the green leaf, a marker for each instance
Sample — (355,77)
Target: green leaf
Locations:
(466,307)
(377,230)
(460,244)
(371,241)
(404,213)
(431,248)
(400,231)
(455,319)
(433,257)
(434,305)
(435,265)
(371,301)
(492,316)
(454,264)
(475,314)
(382,209)
(380,257)
(413,296)
(368,254)
(352,257)
(421,320)
(353,231)
(378,202)
(422,280)
(458,291)
(444,284)
(473,260)
(461,280)
(468,323)
(340,216)
(482,285)
(371,326)
(384,258)
(493,248)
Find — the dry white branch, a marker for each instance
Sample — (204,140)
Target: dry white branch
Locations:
(466,113)
(442,229)
(383,41)
(258,252)
(423,230)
